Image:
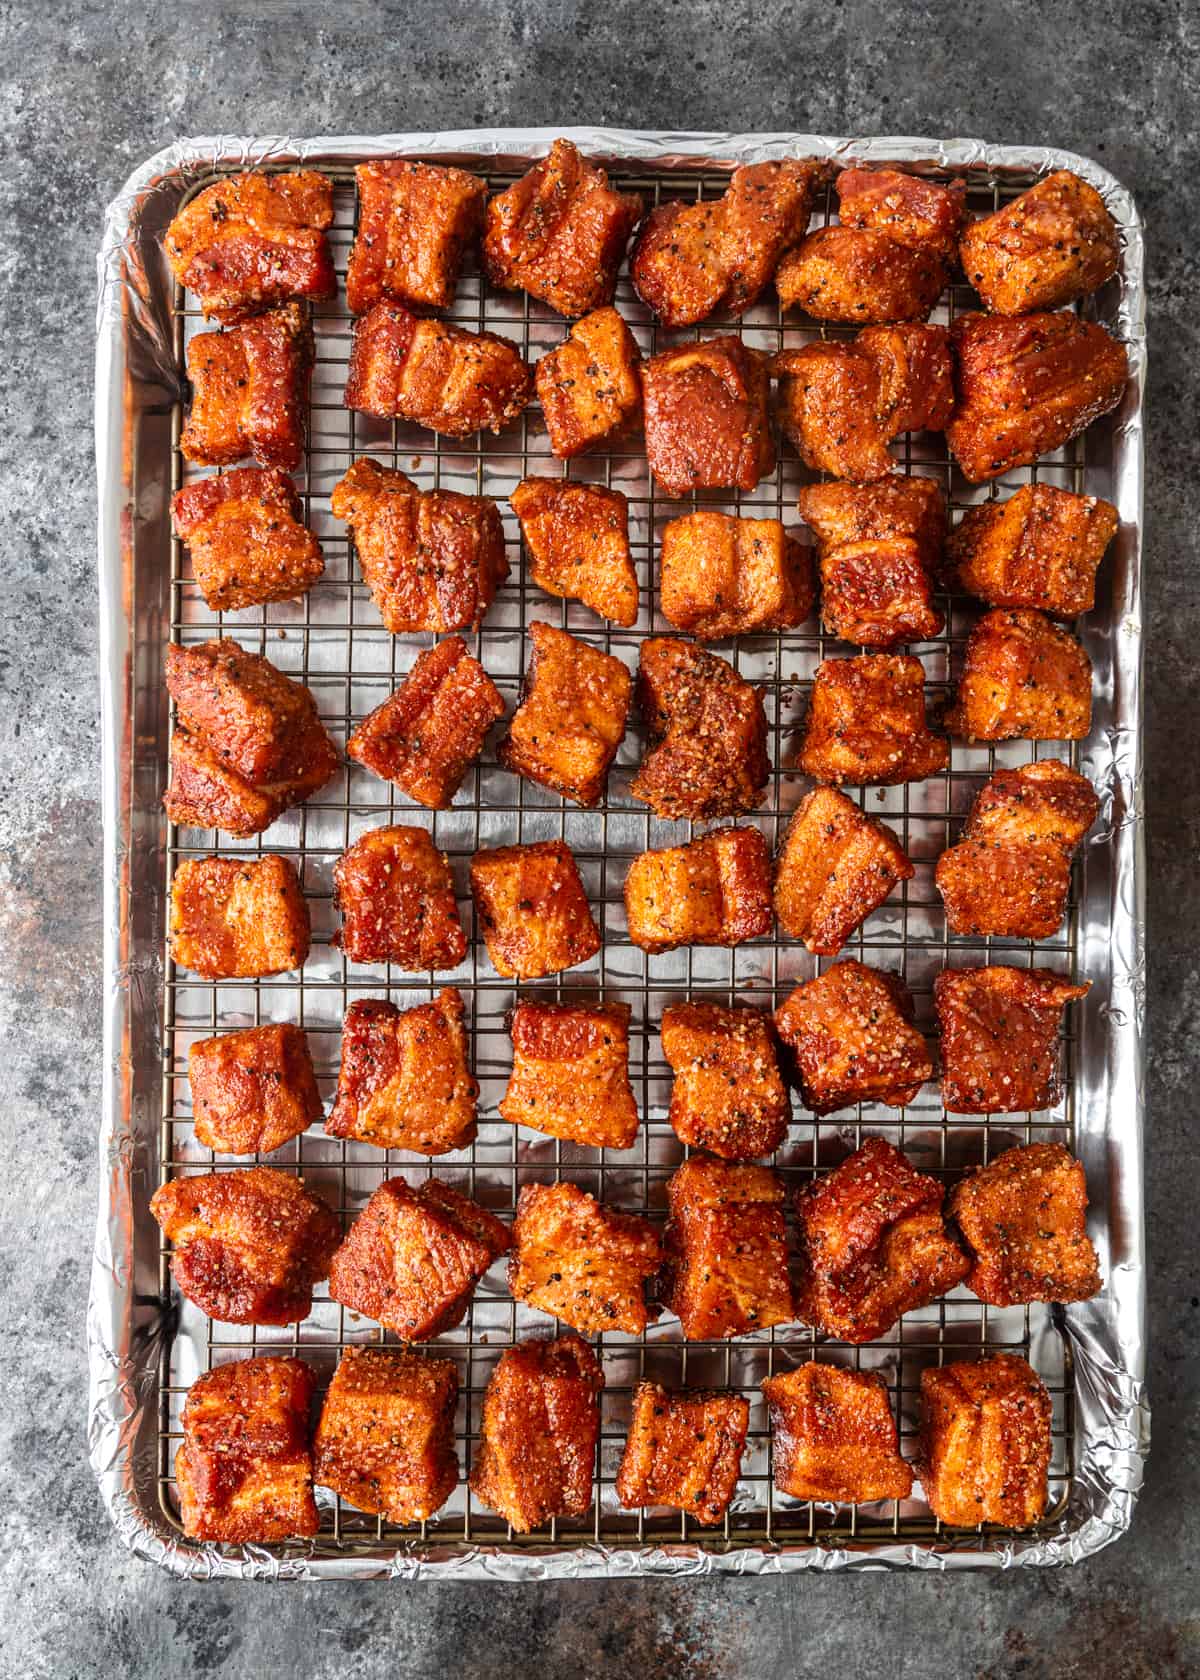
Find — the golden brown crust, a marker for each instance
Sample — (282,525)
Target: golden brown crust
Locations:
(834,1437)
(396,896)
(255,240)
(852,1040)
(1049,246)
(726,576)
(985,1442)
(414,222)
(590,387)
(1000,1031)
(1023,677)
(879,547)
(727,1096)
(867,723)
(250,387)
(924,214)
(571,719)
(254,1090)
(532,910)
(385,1438)
(1041,548)
(713,891)
(836,866)
(585,1264)
(684,1450)
(578,541)
(710,733)
(570,1073)
(726,1266)
(247,544)
(434,373)
(235,919)
(1022,1218)
(706,417)
(404,1082)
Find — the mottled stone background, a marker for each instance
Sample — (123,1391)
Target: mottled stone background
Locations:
(86,92)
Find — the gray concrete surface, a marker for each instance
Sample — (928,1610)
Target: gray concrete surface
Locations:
(86,92)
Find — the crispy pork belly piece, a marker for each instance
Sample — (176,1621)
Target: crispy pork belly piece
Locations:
(1010,873)
(985,1442)
(246,539)
(726,576)
(706,418)
(726,1270)
(250,391)
(879,546)
(710,733)
(852,1040)
(918,212)
(1000,1031)
(590,388)
(412,1258)
(404,1082)
(244,1471)
(385,1439)
(1026,387)
(205,793)
(538,1434)
(727,1096)
(396,895)
(684,1450)
(249,1244)
(434,373)
(1022,1218)
(559,233)
(238,919)
(712,891)
(254,1090)
(1051,245)
(571,719)
(432,559)
(836,866)
(570,1073)
(866,723)
(415,220)
(426,735)
(250,242)
(585,1264)
(532,910)
(1023,678)
(578,541)
(1041,548)
(834,1436)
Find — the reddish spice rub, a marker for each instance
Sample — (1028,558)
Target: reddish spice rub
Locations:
(683,1450)
(404,1082)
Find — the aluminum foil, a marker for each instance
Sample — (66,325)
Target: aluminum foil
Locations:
(136,383)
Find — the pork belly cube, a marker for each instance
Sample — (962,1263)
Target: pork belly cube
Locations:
(726,576)
(244,1471)
(879,546)
(532,910)
(985,1442)
(1000,1029)
(726,1250)
(1023,678)
(571,719)
(252,241)
(434,374)
(412,1258)
(582,1263)
(244,533)
(537,1439)
(851,1035)
(570,1073)
(714,891)
(1022,1217)
(415,220)
(590,388)
(684,1450)
(385,1438)
(250,391)
(559,233)
(578,541)
(916,211)
(238,919)
(404,1082)
(1041,548)
(205,793)
(706,417)
(426,735)
(867,723)
(396,895)
(254,1090)
(709,729)
(1052,244)
(432,559)
(834,1437)
(836,866)
(727,1096)
(249,1244)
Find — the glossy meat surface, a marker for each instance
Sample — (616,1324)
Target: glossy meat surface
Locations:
(1052,244)
(1023,677)
(570,1073)
(254,240)
(867,723)
(253,1090)
(434,373)
(985,1442)
(385,1438)
(924,214)
(1023,1220)
(728,1097)
(1000,1029)
(726,1271)
(414,223)
(860,276)
(712,891)
(396,896)
(571,719)
(590,387)
(237,919)
(404,1082)
(250,389)
(584,1264)
(531,909)
(723,576)
(1040,548)
(247,543)
(836,866)
(851,1037)
(578,541)
(834,1436)
(879,547)
(709,729)
(684,1450)
(706,416)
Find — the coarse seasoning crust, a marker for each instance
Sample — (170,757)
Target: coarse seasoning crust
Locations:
(415,221)
(879,546)
(985,1442)
(1040,548)
(253,1090)
(585,1264)
(1023,677)
(1023,1220)
(727,1095)
(577,536)
(1000,1030)
(712,891)
(867,723)
(238,919)
(404,1082)
(254,240)
(570,1073)
(683,1450)
(435,374)
(706,420)
(395,893)
(1052,244)
(571,719)
(532,910)
(590,387)
(833,1436)
(726,576)
(835,866)
(852,1040)
(244,533)
(726,1268)
(250,390)
(709,729)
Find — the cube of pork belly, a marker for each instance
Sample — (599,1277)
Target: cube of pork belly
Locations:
(570,1074)
(246,539)
(590,388)
(396,895)
(254,1090)
(537,1438)
(1041,548)
(910,208)
(205,793)
(834,1437)
(706,417)
(985,1442)
(434,374)
(873,1244)
(413,1257)
(250,389)
(1023,1219)
(725,576)
(867,723)
(426,735)
(1049,246)
(249,1244)
(414,223)
(584,1264)
(385,1438)
(532,909)
(244,1471)
(709,757)
(726,1268)
(404,1082)
(836,866)
(238,919)
(1000,1031)
(578,541)
(571,719)
(432,559)
(727,1096)
(254,240)
(879,546)
(559,233)
(684,1450)
(851,1035)
(713,891)
(1023,677)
